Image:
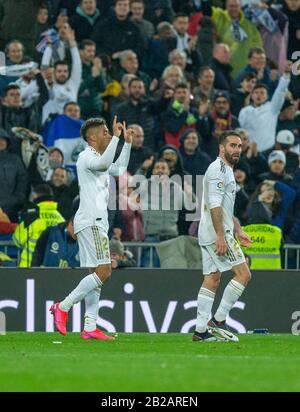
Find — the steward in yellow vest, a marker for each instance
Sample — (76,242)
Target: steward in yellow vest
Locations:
(265,249)
(43,214)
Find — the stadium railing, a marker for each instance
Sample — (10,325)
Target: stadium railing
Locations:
(291,252)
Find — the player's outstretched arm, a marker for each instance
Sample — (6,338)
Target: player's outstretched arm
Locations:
(119,167)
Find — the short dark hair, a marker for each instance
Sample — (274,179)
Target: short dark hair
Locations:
(11,86)
(248,76)
(89,124)
(204,69)
(181,85)
(117,1)
(137,1)
(223,137)
(180,14)
(60,63)
(43,190)
(70,104)
(135,79)
(86,42)
(260,86)
(255,50)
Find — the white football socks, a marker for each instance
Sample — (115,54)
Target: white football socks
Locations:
(231,294)
(85,286)
(91,309)
(205,301)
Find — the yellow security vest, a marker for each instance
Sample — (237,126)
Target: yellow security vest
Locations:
(265,249)
(26,238)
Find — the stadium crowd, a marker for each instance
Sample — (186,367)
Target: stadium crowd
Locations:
(180,72)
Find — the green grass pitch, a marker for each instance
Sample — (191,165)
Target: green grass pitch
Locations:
(148,362)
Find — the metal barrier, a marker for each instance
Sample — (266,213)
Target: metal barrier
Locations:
(291,252)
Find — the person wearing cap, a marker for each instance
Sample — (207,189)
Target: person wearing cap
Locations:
(119,257)
(285,140)
(277,173)
(13,179)
(35,218)
(260,118)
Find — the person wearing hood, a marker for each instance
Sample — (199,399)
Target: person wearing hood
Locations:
(35,218)
(195,161)
(13,178)
(86,17)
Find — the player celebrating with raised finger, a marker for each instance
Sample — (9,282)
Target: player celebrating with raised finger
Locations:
(94,166)
(220,250)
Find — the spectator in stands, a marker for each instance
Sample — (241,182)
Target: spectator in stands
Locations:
(43,21)
(255,160)
(14,53)
(221,67)
(140,110)
(277,162)
(61,191)
(178,58)
(57,247)
(159,49)
(93,81)
(179,116)
(140,156)
(13,179)
(257,64)
(122,96)
(289,120)
(185,43)
(195,161)
(171,77)
(85,19)
(33,89)
(36,218)
(291,8)
(137,9)
(119,257)
(241,174)
(270,203)
(234,29)
(43,163)
(63,89)
(294,234)
(123,33)
(18,20)
(284,142)
(132,215)
(116,224)
(13,114)
(60,49)
(72,110)
(220,120)
(205,88)
(260,118)
(158,11)
(130,65)
(241,96)
(159,224)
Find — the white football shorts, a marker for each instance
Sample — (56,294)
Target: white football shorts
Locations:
(93,247)
(213,263)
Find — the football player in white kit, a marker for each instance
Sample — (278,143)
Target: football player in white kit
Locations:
(94,166)
(220,250)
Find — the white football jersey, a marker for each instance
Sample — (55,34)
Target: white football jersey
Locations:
(219,189)
(94,182)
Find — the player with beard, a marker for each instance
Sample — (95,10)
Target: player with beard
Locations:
(220,250)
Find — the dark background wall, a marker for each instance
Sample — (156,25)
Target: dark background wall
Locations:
(147,300)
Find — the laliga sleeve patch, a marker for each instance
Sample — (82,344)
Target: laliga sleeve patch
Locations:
(220,186)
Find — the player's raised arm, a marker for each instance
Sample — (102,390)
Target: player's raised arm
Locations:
(120,165)
(96,133)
